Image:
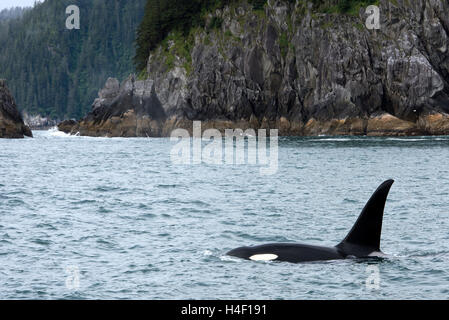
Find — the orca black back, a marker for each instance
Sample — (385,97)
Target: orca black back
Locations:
(362,241)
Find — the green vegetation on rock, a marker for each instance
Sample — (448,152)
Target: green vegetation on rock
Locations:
(179,16)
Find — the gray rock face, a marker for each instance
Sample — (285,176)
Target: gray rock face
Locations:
(11,121)
(301,72)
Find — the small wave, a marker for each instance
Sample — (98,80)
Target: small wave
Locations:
(105,244)
(167,186)
(429,254)
(334,139)
(230,258)
(54,132)
(104,210)
(106,189)
(147,269)
(255,238)
(207,253)
(148,215)
(408,139)
(46,226)
(42,242)
(78,202)
(16,202)
(84,238)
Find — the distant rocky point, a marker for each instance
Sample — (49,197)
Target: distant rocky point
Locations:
(292,69)
(68,126)
(11,121)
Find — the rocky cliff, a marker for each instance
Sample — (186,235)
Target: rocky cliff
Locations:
(11,121)
(293,69)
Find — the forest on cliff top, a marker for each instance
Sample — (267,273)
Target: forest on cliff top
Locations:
(164,16)
(56,72)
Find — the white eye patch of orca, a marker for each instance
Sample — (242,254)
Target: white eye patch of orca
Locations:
(263,257)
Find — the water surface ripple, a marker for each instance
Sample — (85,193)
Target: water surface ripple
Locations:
(139,227)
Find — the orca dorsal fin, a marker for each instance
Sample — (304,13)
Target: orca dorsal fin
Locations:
(368,227)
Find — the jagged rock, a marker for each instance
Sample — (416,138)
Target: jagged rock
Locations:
(11,121)
(67,126)
(301,72)
(131,109)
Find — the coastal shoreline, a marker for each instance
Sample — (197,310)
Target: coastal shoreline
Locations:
(288,68)
(382,125)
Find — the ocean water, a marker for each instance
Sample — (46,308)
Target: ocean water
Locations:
(99,218)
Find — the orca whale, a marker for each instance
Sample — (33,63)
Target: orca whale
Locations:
(361,242)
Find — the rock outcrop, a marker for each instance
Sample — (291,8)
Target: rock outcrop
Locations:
(67,126)
(292,69)
(11,121)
